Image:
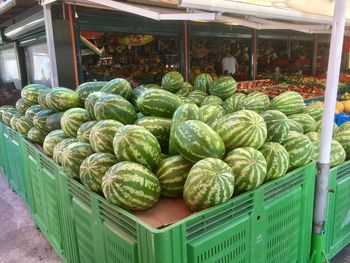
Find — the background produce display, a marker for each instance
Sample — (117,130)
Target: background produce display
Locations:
(204,143)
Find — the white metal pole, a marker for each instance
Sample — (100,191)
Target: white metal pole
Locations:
(328,117)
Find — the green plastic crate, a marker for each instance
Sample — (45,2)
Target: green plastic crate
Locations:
(271,224)
(5,139)
(3,154)
(337,225)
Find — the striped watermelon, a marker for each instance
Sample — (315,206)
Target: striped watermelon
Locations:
(157,102)
(210,182)
(186,100)
(85,89)
(73,156)
(58,149)
(288,102)
(7,115)
(299,148)
(277,125)
(249,167)
(256,101)
(4,108)
(31,111)
(295,126)
(119,87)
(131,186)
(51,140)
(135,143)
(314,111)
(197,96)
(40,118)
(319,126)
(223,87)
(306,121)
(338,153)
(36,136)
(344,126)
(114,107)
(231,104)
(42,98)
(94,167)
(159,127)
(243,128)
(31,92)
(210,113)
(136,92)
(84,130)
(172,81)
(22,106)
(195,140)
(102,134)
(172,173)
(62,99)
(183,113)
(277,159)
(72,119)
(212,100)
(23,125)
(13,121)
(343,137)
(90,102)
(202,82)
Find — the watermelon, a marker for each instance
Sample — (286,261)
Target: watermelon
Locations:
(135,143)
(31,111)
(299,148)
(23,125)
(314,111)
(73,156)
(295,126)
(211,113)
(22,106)
(72,119)
(243,128)
(256,101)
(131,186)
(202,82)
(31,92)
(84,130)
(6,107)
(197,96)
(277,159)
(53,121)
(277,125)
(42,98)
(136,92)
(102,134)
(39,119)
(13,120)
(306,121)
(36,136)
(58,149)
(223,87)
(249,167)
(51,140)
(319,126)
(94,167)
(343,137)
(172,81)
(337,155)
(186,100)
(212,100)
(210,182)
(195,140)
(183,113)
(119,87)
(7,115)
(172,173)
(85,89)
(289,102)
(158,126)
(90,102)
(62,99)
(115,107)
(232,103)
(344,126)
(157,102)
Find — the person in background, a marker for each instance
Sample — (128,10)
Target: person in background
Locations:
(229,64)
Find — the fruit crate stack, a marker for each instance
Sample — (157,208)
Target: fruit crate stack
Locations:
(125,154)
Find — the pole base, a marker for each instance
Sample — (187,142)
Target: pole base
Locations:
(318,245)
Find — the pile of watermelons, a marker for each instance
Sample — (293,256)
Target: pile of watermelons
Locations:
(205,143)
